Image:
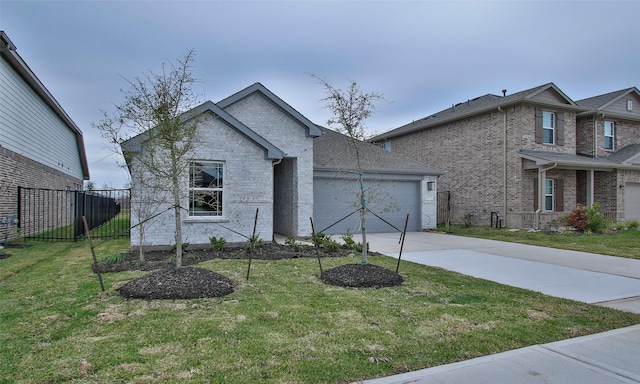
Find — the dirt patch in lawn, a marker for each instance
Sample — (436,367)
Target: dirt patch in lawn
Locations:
(166,282)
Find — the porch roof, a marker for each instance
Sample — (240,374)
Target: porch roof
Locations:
(623,159)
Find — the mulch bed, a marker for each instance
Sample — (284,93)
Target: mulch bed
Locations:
(167,282)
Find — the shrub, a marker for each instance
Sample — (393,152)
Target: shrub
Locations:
(348,239)
(218,243)
(185,246)
(585,219)
(254,242)
(633,224)
(326,242)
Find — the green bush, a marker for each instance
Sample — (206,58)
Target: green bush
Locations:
(254,242)
(585,219)
(324,241)
(218,243)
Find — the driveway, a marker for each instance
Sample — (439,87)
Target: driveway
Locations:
(597,279)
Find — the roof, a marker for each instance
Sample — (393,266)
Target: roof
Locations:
(311,129)
(334,151)
(270,150)
(626,158)
(603,101)
(477,106)
(8,52)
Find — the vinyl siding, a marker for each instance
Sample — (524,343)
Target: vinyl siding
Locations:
(30,128)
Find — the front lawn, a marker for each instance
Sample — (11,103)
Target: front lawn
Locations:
(623,243)
(282,326)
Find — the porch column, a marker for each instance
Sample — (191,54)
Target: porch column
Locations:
(590,186)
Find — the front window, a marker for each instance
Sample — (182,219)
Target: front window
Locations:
(609,135)
(548,127)
(548,195)
(205,188)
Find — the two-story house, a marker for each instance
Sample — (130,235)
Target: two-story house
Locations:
(40,146)
(531,156)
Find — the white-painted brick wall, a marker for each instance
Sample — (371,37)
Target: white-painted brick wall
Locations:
(248,184)
(264,118)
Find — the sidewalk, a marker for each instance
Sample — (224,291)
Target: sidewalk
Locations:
(609,357)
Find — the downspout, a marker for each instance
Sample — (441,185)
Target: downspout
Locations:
(542,172)
(504,163)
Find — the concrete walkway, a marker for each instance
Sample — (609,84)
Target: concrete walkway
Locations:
(610,357)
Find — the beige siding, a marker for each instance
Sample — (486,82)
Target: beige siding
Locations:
(30,128)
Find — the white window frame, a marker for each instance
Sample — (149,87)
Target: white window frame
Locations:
(215,190)
(611,127)
(548,124)
(549,195)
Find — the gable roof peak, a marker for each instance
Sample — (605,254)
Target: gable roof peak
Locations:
(311,129)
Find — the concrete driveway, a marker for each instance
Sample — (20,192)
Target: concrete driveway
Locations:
(587,277)
(609,357)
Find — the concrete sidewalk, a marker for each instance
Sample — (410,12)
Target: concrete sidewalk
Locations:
(609,357)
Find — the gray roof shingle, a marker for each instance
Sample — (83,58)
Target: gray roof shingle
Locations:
(334,151)
(472,107)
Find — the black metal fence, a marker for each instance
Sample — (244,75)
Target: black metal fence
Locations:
(49,214)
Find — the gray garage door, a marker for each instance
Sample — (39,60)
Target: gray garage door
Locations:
(632,201)
(390,199)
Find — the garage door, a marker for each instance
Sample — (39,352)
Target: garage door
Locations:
(390,199)
(632,201)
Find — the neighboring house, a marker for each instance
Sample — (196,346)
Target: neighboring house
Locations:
(531,156)
(255,152)
(40,146)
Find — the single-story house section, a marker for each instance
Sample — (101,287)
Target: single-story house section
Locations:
(257,152)
(393,184)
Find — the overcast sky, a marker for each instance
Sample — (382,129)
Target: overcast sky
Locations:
(423,56)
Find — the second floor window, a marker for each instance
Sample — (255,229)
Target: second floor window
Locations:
(609,135)
(548,127)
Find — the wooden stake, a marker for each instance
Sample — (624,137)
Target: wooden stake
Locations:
(95,261)
(404,233)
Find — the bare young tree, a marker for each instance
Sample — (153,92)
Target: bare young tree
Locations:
(151,121)
(349,111)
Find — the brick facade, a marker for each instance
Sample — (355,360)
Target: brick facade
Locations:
(19,171)
(481,150)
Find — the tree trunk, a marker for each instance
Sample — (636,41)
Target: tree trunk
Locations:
(178,236)
(140,247)
(363,218)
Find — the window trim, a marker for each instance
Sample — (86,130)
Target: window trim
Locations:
(612,126)
(221,189)
(552,128)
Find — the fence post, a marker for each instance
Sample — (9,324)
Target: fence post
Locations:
(77,222)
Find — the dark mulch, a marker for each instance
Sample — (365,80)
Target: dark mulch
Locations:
(188,283)
(164,259)
(182,283)
(361,275)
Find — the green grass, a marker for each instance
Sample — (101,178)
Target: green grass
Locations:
(624,243)
(282,326)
